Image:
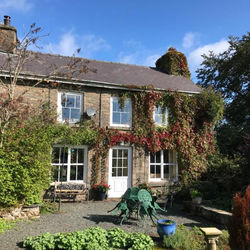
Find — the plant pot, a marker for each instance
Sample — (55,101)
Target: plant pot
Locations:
(197,200)
(101,195)
(163,228)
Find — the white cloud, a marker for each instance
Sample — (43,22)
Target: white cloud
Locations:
(136,53)
(151,59)
(188,40)
(69,43)
(128,58)
(195,58)
(91,43)
(17,5)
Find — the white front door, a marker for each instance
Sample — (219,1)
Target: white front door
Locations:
(119,171)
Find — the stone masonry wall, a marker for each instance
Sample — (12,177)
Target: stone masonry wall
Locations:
(99,99)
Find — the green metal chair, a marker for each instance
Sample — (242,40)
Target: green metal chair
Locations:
(136,201)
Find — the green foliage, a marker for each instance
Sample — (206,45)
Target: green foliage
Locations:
(5,225)
(229,74)
(223,178)
(91,239)
(195,193)
(25,156)
(139,241)
(25,163)
(117,238)
(185,239)
(43,242)
(173,63)
(48,207)
(85,134)
(223,241)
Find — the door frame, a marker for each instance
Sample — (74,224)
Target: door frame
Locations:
(129,180)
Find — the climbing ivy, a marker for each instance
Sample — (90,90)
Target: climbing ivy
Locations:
(173,63)
(190,129)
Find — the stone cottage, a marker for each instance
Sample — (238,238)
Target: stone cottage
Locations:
(94,93)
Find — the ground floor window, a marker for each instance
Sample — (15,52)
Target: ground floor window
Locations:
(163,165)
(69,163)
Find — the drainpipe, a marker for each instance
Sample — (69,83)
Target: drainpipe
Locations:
(100,109)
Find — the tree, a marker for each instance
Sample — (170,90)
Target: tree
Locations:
(12,65)
(229,74)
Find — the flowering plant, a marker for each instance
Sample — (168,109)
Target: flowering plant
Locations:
(102,187)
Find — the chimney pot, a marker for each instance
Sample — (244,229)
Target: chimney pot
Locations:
(6,20)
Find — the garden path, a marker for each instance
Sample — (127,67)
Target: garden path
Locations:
(79,216)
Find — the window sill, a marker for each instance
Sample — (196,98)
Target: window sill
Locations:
(120,127)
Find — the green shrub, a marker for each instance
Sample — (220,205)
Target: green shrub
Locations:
(96,235)
(25,156)
(48,207)
(223,241)
(139,241)
(117,238)
(42,242)
(5,225)
(91,239)
(185,239)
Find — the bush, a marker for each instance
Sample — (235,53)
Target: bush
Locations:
(185,239)
(25,163)
(48,207)
(223,241)
(117,238)
(239,228)
(91,239)
(139,241)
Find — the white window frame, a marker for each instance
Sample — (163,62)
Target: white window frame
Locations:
(59,106)
(111,113)
(68,164)
(162,164)
(166,117)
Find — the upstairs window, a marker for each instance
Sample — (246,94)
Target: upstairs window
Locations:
(69,107)
(120,116)
(160,118)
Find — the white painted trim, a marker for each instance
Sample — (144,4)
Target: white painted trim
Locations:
(59,106)
(174,164)
(111,113)
(129,165)
(85,163)
(166,116)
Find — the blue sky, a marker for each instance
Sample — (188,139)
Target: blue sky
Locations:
(131,31)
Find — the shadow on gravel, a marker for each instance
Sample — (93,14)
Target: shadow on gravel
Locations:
(20,244)
(98,218)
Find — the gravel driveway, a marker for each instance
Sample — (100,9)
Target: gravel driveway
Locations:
(79,216)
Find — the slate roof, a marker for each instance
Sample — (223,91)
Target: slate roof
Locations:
(108,72)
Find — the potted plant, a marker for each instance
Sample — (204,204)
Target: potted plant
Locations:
(165,227)
(101,190)
(196,196)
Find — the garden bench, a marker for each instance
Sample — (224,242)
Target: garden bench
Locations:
(138,201)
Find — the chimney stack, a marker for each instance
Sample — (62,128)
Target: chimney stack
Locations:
(6,20)
(8,36)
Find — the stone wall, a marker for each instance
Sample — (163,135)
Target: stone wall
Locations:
(24,212)
(216,215)
(99,99)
